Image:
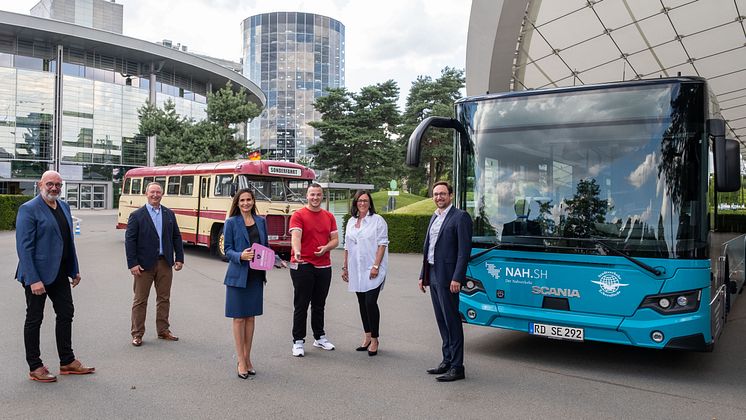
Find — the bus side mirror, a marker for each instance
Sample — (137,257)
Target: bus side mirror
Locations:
(415,140)
(727,158)
(234,188)
(727,165)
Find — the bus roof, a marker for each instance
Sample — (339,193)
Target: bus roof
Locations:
(251,167)
(580,88)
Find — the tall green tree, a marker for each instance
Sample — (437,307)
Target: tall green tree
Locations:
(182,140)
(428,97)
(357,134)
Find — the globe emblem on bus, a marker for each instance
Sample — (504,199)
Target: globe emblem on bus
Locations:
(609,283)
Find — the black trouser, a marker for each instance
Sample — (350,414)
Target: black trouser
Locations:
(311,285)
(62,300)
(369,312)
(445,306)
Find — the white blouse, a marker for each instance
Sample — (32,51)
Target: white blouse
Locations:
(361,245)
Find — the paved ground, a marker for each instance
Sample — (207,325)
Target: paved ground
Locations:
(509,374)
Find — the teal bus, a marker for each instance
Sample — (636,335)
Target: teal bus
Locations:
(595,211)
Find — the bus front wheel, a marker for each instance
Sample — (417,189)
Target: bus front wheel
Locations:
(218,243)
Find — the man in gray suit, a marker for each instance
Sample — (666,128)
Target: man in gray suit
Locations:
(445,258)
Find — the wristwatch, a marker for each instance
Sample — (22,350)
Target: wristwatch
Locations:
(375,266)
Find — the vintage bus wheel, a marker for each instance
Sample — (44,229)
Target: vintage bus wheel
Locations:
(219,243)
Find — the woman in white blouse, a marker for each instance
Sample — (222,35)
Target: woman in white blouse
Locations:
(365,261)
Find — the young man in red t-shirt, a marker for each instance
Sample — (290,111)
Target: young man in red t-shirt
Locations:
(313,233)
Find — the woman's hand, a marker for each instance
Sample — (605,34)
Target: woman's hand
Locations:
(247,254)
(345,276)
(373,273)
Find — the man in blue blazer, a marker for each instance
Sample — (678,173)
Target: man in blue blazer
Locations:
(445,258)
(47,266)
(151,241)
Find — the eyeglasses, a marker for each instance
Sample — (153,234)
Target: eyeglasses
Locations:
(363,201)
(53,184)
(438,194)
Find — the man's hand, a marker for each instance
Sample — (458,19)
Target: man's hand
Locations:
(455,286)
(136,270)
(75,280)
(38,288)
(178,265)
(298,258)
(320,251)
(422,286)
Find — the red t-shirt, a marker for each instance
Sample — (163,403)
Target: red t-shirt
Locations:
(316,228)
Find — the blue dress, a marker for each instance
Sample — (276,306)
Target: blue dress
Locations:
(242,302)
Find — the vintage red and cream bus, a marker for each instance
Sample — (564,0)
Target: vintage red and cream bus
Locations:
(200,195)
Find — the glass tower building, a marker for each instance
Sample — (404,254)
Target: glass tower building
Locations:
(294,57)
(69,98)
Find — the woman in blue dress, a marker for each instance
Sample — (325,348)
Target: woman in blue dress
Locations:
(244,286)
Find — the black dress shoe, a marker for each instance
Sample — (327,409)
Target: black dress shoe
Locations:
(363,348)
(453,374)
(441,369)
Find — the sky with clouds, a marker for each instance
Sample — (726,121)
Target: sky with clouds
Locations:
(385,39)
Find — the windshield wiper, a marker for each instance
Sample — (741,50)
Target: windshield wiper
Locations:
(629,258)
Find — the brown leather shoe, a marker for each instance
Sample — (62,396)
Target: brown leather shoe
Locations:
(168,336)
(137,341)
(42,375)
(76,368)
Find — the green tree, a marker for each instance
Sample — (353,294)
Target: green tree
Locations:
(182,140)
(357,132)
(585,209)
(428,97)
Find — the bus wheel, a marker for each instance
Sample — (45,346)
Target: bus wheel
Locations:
(218,243)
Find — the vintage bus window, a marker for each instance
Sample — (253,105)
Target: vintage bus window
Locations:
(223,185)
(174,182)
(126,189)
(161,180)
(145,181)
(187,185)
(298,190)
(136,185)
(205,187)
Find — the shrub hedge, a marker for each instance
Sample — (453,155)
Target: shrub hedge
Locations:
(406,231)
(9,208)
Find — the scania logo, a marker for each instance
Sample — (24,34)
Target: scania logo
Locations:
(555,291)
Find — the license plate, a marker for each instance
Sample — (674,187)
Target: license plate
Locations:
(273,237)
(556,331)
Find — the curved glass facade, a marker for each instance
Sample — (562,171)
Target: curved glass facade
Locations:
(294,57)
(97,122)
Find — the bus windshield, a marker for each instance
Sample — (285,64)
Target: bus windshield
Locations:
(565,172)
(275,189)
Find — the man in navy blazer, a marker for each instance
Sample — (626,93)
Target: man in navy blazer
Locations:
(445,258)
(153,245)
(47,266)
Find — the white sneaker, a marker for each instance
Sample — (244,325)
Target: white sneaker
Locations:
(298,348)
(323,343)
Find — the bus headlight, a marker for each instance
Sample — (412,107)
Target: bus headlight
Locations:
(472,286)
(673,303)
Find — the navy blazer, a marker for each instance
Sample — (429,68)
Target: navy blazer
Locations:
(39,243)
(236,239)
(452,249)
(141,239)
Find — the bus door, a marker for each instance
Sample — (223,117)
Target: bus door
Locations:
(202,204)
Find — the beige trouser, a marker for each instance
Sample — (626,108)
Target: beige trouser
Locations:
(161,275)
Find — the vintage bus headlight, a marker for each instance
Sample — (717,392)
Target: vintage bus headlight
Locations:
(472,286)
(673,303)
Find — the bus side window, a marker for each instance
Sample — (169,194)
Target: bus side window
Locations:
(205,187)
(161,180)
(145,181)
(136,185)
(127,183)
(174,182)
(223,185)
(187,185)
